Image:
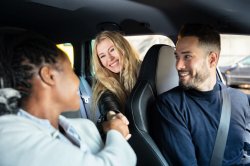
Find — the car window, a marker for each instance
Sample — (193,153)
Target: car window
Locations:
(233,48)
(245,62)
(144,42)
(68,49)
(234,62)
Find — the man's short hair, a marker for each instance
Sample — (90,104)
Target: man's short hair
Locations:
(207,34)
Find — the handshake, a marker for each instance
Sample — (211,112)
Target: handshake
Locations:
(117,121)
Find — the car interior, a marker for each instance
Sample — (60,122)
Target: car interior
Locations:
(78,22)
(157,75)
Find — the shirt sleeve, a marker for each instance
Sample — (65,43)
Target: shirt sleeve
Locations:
(23,143)
(171,134)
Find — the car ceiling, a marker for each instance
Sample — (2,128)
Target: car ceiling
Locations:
(82,19)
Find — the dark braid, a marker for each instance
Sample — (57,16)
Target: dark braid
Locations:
(30,53)
(25,54)
(22,55)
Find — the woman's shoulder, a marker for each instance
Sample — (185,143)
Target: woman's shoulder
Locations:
(12,120)
(17,125)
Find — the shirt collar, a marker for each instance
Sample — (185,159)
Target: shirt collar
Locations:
(63,122)
(42,122)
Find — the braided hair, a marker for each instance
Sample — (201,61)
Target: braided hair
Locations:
(23,54)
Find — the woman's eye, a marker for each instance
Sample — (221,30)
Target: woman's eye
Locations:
(101,56)
(112,49)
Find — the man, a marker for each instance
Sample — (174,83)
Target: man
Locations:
(187,117)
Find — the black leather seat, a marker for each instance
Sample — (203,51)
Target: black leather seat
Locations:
(157,75)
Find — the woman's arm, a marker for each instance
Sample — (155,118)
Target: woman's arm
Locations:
(108,102)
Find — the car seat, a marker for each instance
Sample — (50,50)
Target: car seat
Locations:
(157,75)
(85,103)
(248,96)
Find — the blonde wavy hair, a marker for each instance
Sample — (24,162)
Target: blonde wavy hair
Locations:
(119,84)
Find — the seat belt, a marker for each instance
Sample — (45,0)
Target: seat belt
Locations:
(85,105)
(222,133)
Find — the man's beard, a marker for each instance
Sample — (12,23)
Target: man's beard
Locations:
(195,81)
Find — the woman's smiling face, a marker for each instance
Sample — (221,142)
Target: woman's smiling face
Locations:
(109,55)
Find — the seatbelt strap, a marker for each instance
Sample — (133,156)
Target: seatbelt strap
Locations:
(86,98)
(85,104)
(222,133)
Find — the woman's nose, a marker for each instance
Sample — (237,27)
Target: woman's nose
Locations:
(110,57)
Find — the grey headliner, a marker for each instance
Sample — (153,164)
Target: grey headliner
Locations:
(82,19)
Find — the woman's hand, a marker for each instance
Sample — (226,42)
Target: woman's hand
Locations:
(117,122)
(113,115)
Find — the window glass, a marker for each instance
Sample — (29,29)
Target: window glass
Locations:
(143,43)
(234,62)
(68,49)
(245,61)
(233,48)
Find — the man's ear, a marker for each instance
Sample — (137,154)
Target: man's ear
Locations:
(46,74)
(213,58)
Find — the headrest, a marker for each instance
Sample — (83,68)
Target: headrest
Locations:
(158,68)
(166,73)
(9,99)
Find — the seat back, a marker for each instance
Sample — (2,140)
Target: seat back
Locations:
(248,96)
(157,74)
(85,103)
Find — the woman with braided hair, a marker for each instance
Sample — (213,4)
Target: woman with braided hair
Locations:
(40,78)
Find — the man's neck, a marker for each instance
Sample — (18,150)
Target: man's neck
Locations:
(207,85)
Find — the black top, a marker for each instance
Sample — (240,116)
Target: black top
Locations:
(107,102)
(186,121)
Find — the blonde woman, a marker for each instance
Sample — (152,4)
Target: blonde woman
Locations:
(116,65)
